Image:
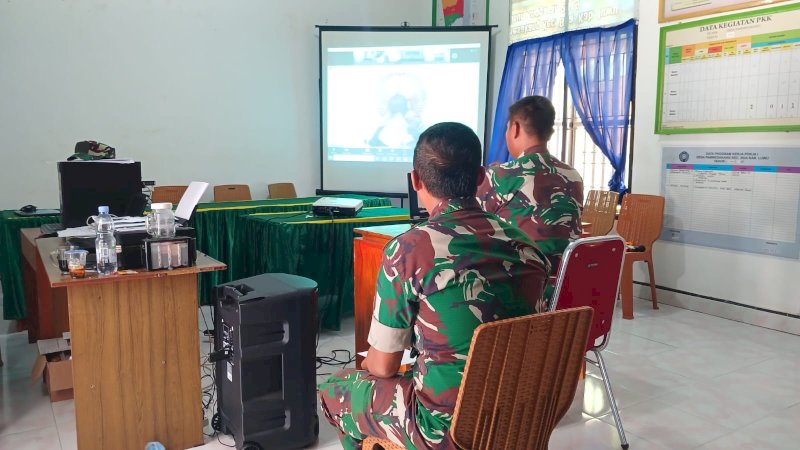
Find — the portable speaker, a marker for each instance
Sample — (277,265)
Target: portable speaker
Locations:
(265,352)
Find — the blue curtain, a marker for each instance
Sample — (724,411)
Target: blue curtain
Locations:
(530,70)
(598,66)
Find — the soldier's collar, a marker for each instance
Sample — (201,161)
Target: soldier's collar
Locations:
(541,148)
(454,204)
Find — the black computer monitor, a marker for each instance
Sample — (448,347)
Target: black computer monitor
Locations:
(85,185)
(415,209)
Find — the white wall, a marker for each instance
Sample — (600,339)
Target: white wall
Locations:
(762,281)
(758,280)
(214,90)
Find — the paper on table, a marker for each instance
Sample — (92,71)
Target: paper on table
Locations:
(407,358)
(85,231)
(190,199)
(108,161)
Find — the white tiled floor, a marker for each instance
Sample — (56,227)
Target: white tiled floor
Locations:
(683,380)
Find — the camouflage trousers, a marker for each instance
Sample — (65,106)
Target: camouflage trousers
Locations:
(359,405)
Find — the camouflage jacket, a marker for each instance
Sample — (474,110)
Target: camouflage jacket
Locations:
(437,283)
(538,194)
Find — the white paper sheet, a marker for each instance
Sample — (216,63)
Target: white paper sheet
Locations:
(190,199)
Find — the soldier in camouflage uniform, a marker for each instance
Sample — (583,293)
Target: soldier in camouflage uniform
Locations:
(536,192)
(438,282)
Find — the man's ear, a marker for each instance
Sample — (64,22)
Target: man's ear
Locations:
(516,128)
(416,182)
(481,175)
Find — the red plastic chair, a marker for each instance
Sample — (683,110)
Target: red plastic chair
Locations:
(589,276)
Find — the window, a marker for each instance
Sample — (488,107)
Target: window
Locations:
(573,145)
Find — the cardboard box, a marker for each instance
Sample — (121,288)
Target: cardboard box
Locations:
(58,377)
(55,365)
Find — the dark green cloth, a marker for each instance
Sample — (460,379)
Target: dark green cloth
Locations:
(319,249)
(216,223)
(11,261)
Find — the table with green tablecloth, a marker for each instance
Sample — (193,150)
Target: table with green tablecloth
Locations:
(216,223)
(309,246)
(10,262)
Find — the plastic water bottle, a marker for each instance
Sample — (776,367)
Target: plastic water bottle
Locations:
(105,244)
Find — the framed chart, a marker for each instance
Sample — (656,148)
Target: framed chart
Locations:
(745,199)
(739,72)
(671,10)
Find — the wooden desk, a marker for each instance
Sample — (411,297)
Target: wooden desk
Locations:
(367,254)
(47,316)
(135,355)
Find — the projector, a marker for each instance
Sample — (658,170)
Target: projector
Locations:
(337,207)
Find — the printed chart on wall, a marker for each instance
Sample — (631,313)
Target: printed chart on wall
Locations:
(745,199)
(739,72)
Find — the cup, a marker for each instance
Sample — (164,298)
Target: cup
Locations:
(61,257)
(76,263)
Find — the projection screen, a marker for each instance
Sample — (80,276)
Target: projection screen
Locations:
(381,87)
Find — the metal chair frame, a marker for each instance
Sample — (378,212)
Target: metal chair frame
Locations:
(566,263)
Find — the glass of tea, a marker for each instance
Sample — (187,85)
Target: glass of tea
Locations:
(76,263)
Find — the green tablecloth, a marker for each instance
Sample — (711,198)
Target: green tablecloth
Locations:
(319,249)
(11,263)
(216,224)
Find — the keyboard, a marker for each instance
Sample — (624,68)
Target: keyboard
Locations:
(51,228)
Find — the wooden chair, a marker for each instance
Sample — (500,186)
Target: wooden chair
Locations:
(231,193)
(281,190)
(534,363)
(589,276)
(171,194)
(640,220)
(600,210)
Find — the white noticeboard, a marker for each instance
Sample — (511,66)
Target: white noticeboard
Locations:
(745,199)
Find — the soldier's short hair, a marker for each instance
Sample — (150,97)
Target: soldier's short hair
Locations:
(447,158)
(536,114)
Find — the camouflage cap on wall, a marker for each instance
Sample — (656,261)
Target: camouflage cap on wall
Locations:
(92,150)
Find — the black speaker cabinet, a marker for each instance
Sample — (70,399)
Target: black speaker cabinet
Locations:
(265,329)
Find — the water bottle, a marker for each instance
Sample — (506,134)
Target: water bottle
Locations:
(105,244)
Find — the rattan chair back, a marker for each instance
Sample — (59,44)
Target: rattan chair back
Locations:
(282,190)
(520,379)
(171,194)
(231,193)
(600,210)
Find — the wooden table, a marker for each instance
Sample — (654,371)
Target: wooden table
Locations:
(135,354)
(367,254)
(48,316)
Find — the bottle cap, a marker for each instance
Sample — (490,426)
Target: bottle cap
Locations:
(155,206)
(102,209)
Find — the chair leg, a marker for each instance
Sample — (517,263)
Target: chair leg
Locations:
(652,282)
(626,289)
(611,400)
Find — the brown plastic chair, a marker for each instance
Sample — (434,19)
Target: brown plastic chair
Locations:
(640,220)
(534,363)
(231,193)
(282,190)
(171,194)
(600,210)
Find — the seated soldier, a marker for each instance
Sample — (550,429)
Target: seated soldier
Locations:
(535,192)
(438,282)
